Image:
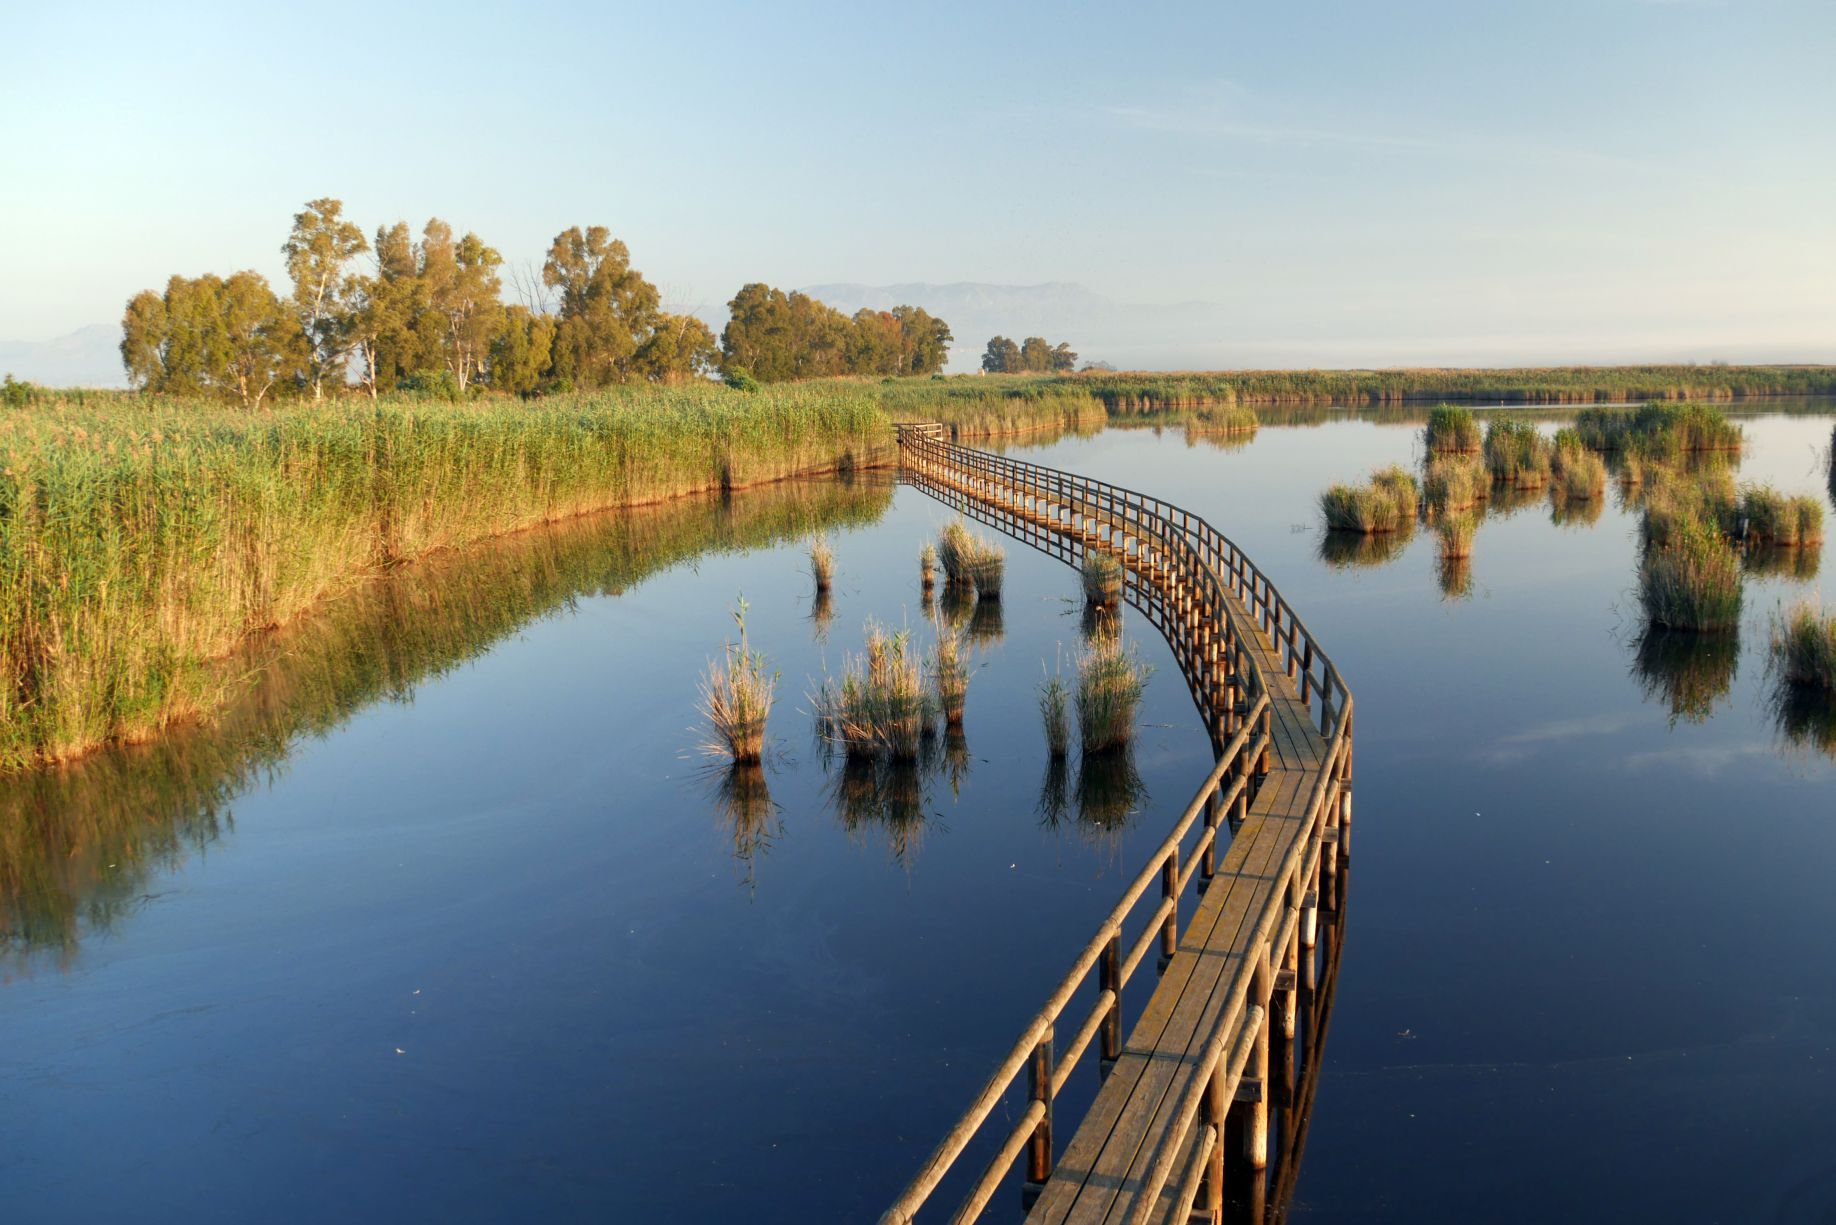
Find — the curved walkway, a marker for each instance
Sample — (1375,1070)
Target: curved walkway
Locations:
(1263,846)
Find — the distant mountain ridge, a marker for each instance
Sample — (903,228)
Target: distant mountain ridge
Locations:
(87,357)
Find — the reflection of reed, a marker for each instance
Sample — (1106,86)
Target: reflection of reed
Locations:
(1217,438)
(1508,500)
(78,844)
(1772,561)
(822,614)
(987,624)
(888,795)
(743,800)
(1804,716)
(956,605)
(1575,512)
(1099,622)
(1455,577)
(1109,789)
(1349,550)
(954,760)
(1054,793)
(1687,673)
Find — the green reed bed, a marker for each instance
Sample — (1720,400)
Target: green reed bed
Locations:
(971,562)
(1674,499)
(1111,682)
(1692,581)
(1055,714)
(1766,516)
(882,709)
(950,677)
(1452,483)
(1387,503)
(1451,429)
(1579,474)
(1101,575)
(1804,647)
(1658,429)
(1516,453)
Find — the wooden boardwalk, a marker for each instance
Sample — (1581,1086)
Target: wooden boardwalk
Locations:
(1182,1124)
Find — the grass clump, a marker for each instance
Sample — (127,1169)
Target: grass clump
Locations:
(955,546)
(950,675)
(1659,428)
(1516,454)
(822,562)
(1580,475)
(1804,647)
(927,566)
(1766,516)
(1055,714)
(1692,581)
(1110,686)
(1101,573)
(1387,503)
(987,567)
(971,562)
(736,698)
(1675,502)
(881,709)
(1456,535)
(1452,429)
(1454,482)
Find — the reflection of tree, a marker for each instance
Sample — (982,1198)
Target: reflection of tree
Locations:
(1804,716)
(80,843)
(1100,622)
(1687,673)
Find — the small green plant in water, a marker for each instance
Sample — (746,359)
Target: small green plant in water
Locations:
(1387,504)
(1692,582)
(927,566)
(1055,714)
(1452,429)
(1101,573)
(950,674)
(1804,648)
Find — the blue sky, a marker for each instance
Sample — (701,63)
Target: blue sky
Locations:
(1367,182)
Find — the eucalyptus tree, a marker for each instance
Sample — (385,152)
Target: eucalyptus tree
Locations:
(463,299)
(319,252)
(607,308)
(214,336)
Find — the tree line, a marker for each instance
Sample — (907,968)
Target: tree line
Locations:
(427,313)
(1034,355)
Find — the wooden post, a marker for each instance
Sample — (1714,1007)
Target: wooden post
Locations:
(1039,1147)
(1256,1112)
(1212,1111)
(1208,862)
(1169,889)
(1109,978)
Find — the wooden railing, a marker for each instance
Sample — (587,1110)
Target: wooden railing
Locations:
(1241,648)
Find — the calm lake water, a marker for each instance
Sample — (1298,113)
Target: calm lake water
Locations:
(451,920)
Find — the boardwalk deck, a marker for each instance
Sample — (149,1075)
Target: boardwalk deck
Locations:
(1195,1070)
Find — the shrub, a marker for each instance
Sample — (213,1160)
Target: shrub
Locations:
(739,379)
(1692,581)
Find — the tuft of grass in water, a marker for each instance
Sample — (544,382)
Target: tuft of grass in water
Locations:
(955,548)
(736,698)
(1658,429)
(1387,504)
(1456,535)
(1804,648)
(1055,714)
(1692,581)
(1675,501)
(1766,516)
(1580,475)
(927,566)
(1101,573)
(881,709)
(1110,685)
(1688,673)
(1451,429)
(1516,453)
(1454,482)
(987,566)
(822,562)
(950,675)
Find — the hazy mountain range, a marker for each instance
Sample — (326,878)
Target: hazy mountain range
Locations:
(87,357)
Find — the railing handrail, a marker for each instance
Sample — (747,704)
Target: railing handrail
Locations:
(1189,544)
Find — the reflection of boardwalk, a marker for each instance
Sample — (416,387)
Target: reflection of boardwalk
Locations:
(1208,1068)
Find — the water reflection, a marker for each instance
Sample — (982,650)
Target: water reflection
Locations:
(1351,550)
(1454,576)
(743,799)
(1688,674)
(1110,792)
(1774,561)
(1804,717)
(1575,512)
(79,843)
(888,796)
(822,614)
